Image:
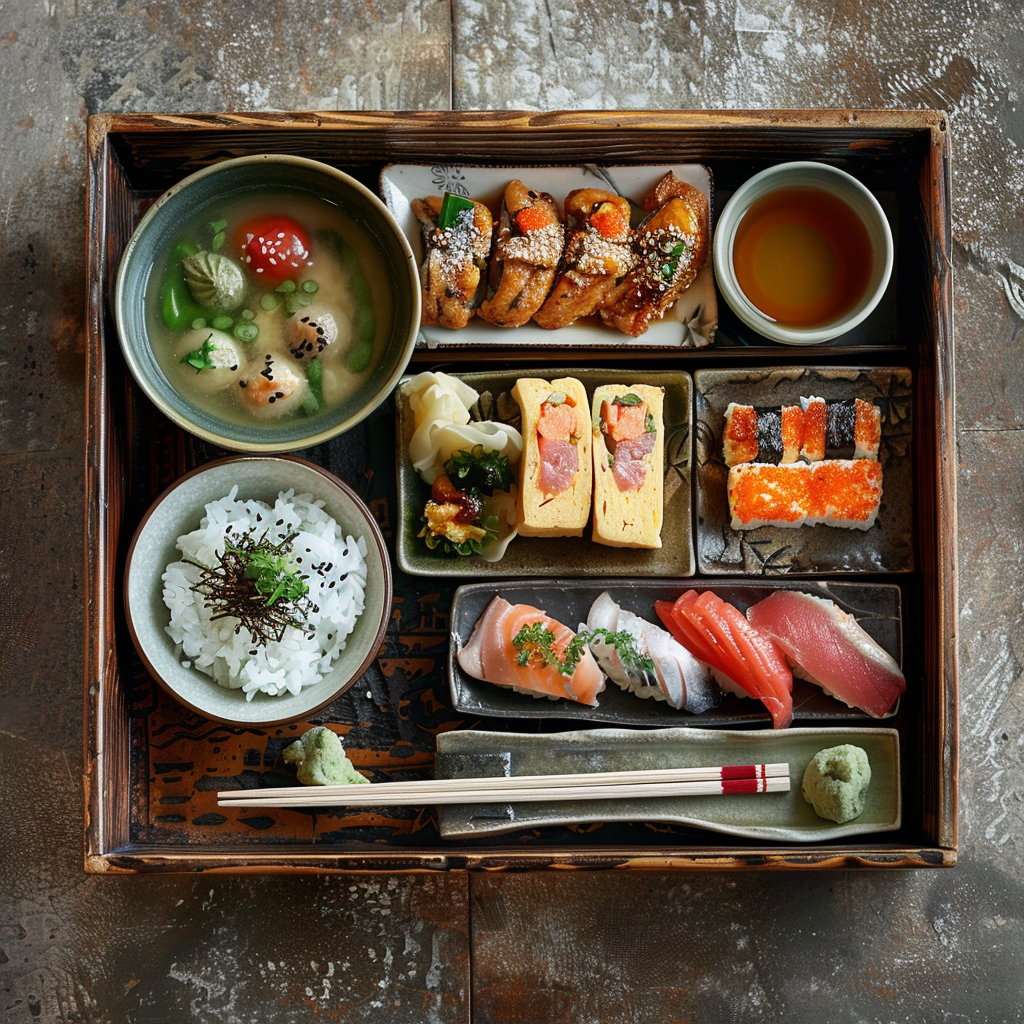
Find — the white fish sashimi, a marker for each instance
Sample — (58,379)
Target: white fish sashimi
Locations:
(679,678)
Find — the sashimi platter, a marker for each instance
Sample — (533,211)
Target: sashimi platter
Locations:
(661,591)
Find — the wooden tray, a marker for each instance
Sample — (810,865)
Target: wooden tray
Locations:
(152,769)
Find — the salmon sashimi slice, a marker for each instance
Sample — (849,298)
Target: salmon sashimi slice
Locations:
(831,649)
(623,422)
(717,633)
(557,421)
(494,656)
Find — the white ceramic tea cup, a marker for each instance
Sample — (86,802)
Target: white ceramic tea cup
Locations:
(803,174)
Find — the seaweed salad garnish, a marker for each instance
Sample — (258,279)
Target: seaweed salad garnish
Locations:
(455,520)
(254,581)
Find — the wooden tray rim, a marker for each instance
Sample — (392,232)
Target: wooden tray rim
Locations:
(103,855)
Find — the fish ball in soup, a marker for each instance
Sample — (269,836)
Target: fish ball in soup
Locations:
(273,387)
(317,331)
(210,360)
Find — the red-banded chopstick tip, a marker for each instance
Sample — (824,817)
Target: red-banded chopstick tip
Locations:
(760,785)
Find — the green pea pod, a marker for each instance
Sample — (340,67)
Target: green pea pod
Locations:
(177,306)
(313,400)
(315,375)
(364,326)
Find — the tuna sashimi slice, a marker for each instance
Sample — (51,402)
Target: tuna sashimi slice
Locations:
(492,656)
(559,464)
(831,649)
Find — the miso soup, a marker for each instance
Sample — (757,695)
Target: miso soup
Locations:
(268,308)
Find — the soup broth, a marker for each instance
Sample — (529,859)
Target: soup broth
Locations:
(802,256)
(268,308)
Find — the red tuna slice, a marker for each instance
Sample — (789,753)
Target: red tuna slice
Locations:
(831,650)
(771,679)
(692,638)
(559,464)
(629,468)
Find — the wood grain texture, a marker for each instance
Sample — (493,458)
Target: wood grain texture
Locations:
(133,156)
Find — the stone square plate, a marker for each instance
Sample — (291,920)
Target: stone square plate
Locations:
(559,556)
(782,817)
(887,547)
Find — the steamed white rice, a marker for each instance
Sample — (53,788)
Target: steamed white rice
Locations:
(336,593)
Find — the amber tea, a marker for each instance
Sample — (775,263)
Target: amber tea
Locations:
(802,256)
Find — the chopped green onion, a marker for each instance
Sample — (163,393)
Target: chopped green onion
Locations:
(217,226)
(218,241)
(270,301)
(198,324)
(248,314)
(222,323)
(246,331)
(451,207)
(311,287)
(285,287)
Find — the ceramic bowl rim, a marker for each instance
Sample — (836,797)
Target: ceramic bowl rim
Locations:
(228,440)
(844,184)
(374,531)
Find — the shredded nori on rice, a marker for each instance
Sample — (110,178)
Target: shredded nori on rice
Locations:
(252,582)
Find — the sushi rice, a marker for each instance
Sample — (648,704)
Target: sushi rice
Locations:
(336,594)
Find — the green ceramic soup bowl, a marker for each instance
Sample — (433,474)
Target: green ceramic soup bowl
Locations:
(217,372)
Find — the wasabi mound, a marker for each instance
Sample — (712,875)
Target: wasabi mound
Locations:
(321,759)
(836,782)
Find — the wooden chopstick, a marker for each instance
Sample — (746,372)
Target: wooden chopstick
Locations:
(717,781)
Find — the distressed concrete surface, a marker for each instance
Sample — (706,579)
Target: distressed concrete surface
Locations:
(929,946)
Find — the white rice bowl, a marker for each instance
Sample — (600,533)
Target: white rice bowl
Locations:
(335,571)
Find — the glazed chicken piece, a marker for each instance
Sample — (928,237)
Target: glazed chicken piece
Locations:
(669,246)
(597,256)
(456,255)
(526,254)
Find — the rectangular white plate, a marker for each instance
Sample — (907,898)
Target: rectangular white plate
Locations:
(690,323)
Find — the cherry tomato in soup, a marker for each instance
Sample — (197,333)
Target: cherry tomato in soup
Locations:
(275,248)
